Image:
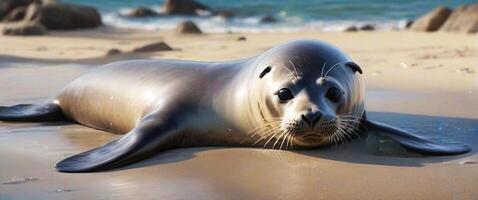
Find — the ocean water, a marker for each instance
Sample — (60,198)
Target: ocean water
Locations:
(292,15)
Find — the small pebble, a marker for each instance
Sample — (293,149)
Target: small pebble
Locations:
(404,65)
(242,38)
(64,190)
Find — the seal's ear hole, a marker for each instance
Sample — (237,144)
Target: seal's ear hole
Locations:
(265,71)
(354,67)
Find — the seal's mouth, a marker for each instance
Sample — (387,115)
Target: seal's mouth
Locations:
(311,136)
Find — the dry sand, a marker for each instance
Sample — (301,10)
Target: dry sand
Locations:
(426,83)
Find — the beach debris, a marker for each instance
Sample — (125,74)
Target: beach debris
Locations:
(184,7)
(188,27)
(465,70)
(113,52)
(141,12)
(63,190)
(18,180)
(351,28)
(241,38)
(463,19)
(24,29)
(268,19)
(367,27)
(433,20)
(158,46)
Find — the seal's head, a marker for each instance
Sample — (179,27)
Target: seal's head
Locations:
(308,94)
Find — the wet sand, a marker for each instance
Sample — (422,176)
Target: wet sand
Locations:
(430,96)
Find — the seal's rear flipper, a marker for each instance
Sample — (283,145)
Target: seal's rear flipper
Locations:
(32,113)
(144,140)
(416,143)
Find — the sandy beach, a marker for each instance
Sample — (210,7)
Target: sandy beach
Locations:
(423,82)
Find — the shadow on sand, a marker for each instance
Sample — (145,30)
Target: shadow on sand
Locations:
(355,151)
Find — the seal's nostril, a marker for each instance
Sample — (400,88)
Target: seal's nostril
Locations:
(307,120)
(316,119)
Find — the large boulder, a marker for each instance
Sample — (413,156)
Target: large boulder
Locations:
(141,12)
(432,21)
(188,27)
(24,29)
(268,19)
(6,6)
(65,16)
(158,46)
(463,19)
(184,7)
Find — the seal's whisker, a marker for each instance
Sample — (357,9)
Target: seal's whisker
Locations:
(325,75)
(293,75)
(283,139)
(322,71)
(295,69)
(287,141)
(349,130)
(271,137)
(266,134)
(349,126)
(263,126)
(257,130)
(278,139)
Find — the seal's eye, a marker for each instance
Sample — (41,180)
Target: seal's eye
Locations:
(334,94)
(285,94)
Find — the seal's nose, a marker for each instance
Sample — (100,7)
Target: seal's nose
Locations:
(311,118)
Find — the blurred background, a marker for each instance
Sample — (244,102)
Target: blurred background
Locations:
(272,15)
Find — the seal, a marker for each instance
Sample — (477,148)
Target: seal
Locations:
(301,94)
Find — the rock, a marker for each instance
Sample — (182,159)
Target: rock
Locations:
(463,19)
(16,14)
(142,12)
(65,16)
(6,6)
(24,28)
(188,27)
(159,46)
(432,21)
(113,52)
(242,38)
(269,19)
(351,28)
(408,24)
(367,27)
(183,7)
(224,14)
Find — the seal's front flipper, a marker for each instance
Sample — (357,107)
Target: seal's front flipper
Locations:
(32,113)
(147,138)
(416,143)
